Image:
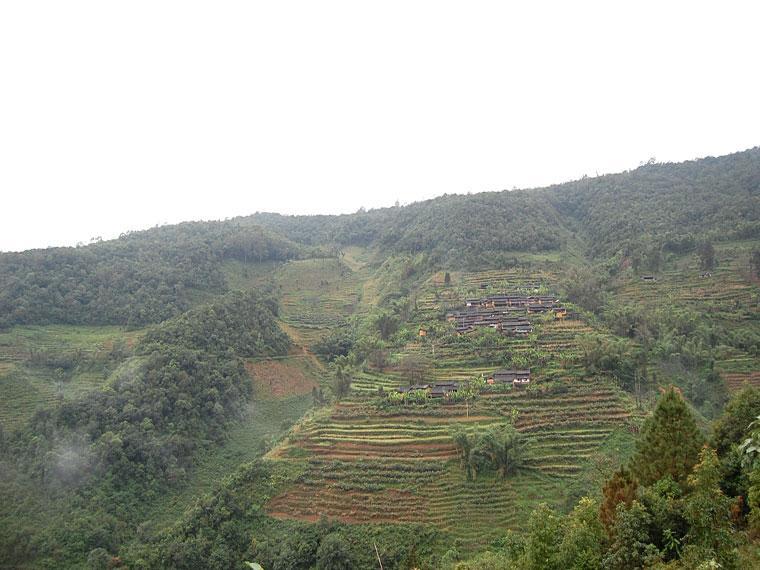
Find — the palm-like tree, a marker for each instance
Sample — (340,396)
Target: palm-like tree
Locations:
(464,443)
(342,372)
(504,447)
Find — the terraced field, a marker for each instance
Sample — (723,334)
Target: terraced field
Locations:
(739,369)
(729,297)
(723,296)
(364,463)
(365,460)
(727,294)
(32,360)
(318,295)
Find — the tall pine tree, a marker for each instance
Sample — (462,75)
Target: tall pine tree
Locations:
(669,443)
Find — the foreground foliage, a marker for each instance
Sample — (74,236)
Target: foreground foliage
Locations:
(653,522)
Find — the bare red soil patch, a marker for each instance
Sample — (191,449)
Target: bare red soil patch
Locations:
(278,379)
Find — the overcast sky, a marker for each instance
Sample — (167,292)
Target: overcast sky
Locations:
(124,115)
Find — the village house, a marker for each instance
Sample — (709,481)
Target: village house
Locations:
(503,312)
(514,377)
(512,300)
(519,326)
(560,313)
(443,389)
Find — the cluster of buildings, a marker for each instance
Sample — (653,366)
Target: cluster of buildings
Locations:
(516,378)
(505,313)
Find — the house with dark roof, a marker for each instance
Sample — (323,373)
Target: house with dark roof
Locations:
(443,389)
(514,377)
(436,390)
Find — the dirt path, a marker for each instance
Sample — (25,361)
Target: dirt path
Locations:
(299,346)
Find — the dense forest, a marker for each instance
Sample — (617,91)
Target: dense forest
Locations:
(140,278)
(674,205)
(448,228)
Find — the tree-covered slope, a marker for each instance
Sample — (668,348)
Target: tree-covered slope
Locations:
(140,278)
(241,322)
(672,205)
(147,277)
(461,229)
(676,205)
(99,461)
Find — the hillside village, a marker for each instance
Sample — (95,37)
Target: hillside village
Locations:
(343,395)
(502,312)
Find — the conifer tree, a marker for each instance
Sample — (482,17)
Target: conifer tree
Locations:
(669,443)
(621,488)
(708,513)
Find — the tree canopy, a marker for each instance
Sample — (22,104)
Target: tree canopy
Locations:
(140,278)
(670,441)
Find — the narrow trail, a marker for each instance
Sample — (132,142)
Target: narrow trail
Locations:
(299,349)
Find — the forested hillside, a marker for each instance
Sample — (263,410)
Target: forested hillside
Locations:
(147,277)
(140,278)
(674,206)
(323,391)
(671,206)
(465,230)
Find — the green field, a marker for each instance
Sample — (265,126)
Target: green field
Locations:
(40,365)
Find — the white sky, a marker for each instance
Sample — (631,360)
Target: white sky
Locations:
(123,115)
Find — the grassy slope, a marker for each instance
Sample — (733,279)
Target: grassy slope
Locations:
(27,384)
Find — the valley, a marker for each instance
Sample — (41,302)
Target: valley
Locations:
(397,378)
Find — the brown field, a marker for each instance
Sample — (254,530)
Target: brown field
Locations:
(279,379)
(737,380)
